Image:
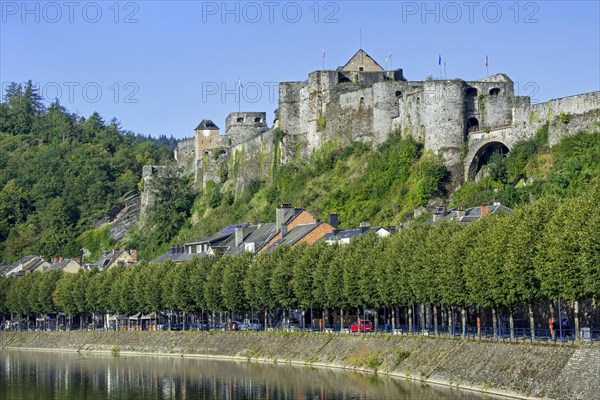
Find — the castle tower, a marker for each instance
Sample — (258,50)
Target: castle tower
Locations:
(242,126)
(207,138)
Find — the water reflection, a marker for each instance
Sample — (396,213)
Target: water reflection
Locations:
(44,375)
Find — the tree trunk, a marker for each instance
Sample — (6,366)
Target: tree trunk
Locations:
(266,318)
(576,319)
(341,319)
(531,320)
(410,319)
(435,319)
(393,319)
(463,315)
(184,320)
(511,323)
(376,320)
(494,322)
(303,324)
(422,317)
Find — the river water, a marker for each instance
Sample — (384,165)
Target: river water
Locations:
(53,375)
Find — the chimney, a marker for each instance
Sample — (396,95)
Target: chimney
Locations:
(484,210)
(333,221)
(53,260)
(496,201)
(133,253)
(61,259)
(239,235)
(280,215)
(460,213)
(363,226)
(284,230)
(78,260)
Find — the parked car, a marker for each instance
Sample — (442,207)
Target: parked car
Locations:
(361,326)
(235,325)
(289,324)
(252,324)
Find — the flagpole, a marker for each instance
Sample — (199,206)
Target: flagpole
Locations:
(445,76)
(239,85)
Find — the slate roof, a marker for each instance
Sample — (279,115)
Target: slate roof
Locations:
(59,265)
(218,238)
(347,234)
(352,233)
(207,124)
(293,236)
(176,257)
(34,264)
(24,263)
(470,214)
(4,268)
(260,235)
(108,258)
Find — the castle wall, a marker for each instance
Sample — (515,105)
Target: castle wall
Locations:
(251,160)
(583,112)
(491,109)
(443,114)
(452,118)
(185,154)
(241,126)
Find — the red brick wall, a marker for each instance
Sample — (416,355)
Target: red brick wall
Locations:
(316,234)
(303,218)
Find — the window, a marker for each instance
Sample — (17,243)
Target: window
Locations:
(398,94)
(240,119)
(494,92)
(258,119)
(472,125)
(361,68)
(471,92)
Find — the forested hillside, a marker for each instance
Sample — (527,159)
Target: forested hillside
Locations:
(384,186)
(59,172)
(381,186)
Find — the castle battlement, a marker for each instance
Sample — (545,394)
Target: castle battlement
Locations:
(361,101)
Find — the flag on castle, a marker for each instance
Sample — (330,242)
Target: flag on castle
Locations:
(440,59)
(239,82)
(486,61)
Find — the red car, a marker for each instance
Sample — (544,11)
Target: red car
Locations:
(361,326)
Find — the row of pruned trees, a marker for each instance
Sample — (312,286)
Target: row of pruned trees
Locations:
(545,250)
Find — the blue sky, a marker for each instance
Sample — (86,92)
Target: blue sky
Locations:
(160,67)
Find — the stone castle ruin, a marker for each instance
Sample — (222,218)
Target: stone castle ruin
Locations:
(463,121)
